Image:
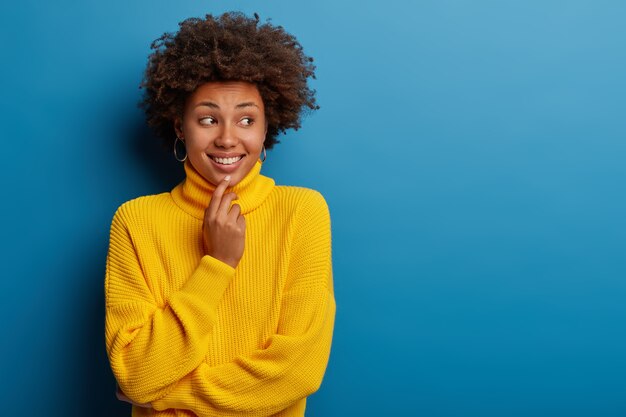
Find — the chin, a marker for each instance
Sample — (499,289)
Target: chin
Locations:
(235,178)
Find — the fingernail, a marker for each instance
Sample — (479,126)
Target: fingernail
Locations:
(227,178)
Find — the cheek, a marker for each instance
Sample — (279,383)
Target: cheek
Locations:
(257,149)
(196,141)
(193,146)
(254,143)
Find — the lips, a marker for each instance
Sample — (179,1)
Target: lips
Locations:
(226,164)
(226,160)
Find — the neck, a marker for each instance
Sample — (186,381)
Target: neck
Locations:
(195,192)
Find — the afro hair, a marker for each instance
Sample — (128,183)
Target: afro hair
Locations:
(230,47)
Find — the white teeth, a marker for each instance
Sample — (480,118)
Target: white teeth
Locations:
(226,161)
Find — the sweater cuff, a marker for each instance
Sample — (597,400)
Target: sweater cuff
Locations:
(210,279)
(202,292)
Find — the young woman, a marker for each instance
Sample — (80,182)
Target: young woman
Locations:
(219,294)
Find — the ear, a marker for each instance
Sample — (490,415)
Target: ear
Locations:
(178,127)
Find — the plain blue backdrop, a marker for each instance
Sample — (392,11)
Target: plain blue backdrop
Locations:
(473,157)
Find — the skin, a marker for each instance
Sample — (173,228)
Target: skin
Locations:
(233,124)
(223,117)
(227,129)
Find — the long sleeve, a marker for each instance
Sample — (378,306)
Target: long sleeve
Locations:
(292,364)
(151,347)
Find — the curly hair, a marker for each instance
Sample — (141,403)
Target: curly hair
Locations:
(231,47)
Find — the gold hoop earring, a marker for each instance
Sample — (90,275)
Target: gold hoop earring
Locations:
(176,150)
(264,154)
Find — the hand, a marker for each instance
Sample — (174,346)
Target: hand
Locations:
(224,231)
(122,397)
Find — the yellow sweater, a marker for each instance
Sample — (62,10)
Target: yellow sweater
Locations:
(194,336)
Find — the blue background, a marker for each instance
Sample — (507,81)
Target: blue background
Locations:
(472,155)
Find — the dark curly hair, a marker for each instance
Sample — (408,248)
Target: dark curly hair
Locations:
(231,47)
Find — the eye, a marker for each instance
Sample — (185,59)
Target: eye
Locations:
(209,120)
(247,121)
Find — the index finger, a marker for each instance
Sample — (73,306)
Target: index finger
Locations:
(216,198)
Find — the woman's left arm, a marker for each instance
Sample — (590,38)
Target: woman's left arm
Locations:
(293,364)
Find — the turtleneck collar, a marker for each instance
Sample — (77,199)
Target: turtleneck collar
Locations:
(194,192)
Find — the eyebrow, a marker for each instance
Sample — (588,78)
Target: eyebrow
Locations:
(215,106)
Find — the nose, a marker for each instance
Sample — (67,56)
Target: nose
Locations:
(227,137)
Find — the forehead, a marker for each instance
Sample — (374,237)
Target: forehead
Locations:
(226,93)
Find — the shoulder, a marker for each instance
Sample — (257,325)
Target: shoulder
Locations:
(308,206)
(140,209)
(302,198)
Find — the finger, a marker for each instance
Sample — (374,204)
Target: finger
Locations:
(216,198)
(241,221)
(122,397)
(225,204)
(234,212)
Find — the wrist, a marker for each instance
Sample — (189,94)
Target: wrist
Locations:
(228,261)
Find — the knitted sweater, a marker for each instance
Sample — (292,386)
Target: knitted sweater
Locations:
(192,335)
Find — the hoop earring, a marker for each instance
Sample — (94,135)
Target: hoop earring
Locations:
(176,150)
(264,154)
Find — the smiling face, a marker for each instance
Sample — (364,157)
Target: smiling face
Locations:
(223,128)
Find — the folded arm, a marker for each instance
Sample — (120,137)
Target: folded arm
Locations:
(151,347)
(292,364)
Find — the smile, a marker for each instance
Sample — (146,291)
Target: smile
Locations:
(226,161)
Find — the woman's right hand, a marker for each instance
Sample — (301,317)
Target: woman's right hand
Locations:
(122,397)
(224,231)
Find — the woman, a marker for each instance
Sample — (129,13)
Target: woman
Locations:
(219,294)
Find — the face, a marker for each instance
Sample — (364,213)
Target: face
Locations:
(223,128)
